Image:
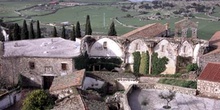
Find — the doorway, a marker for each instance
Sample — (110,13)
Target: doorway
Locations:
(47,81)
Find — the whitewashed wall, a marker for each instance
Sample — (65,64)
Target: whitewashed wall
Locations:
(168,51)
(9,99)
(92,83)
(186,49)
(136,45)
(113,49)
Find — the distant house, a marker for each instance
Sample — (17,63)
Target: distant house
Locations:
(213,54)
(39,60)
(209,80)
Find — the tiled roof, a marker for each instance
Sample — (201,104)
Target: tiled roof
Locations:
(70,80)
(44,47)
(150,30)
(215,42)
(211,72)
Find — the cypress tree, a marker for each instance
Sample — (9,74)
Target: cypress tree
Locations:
(31,32)
(55,32)
(38,30)
(16,35)
(63,34)
(112,31)
(78,30)
(88,29)
(73,34)
(24,32)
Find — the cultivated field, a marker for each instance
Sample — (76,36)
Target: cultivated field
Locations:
(102,15)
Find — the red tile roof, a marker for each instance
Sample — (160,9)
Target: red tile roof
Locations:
(215,41)
(150,30)
(70,80)
(211,72)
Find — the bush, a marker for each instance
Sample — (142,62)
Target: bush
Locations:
(137,61)
(38,100)
(181,83)
(144,64)
(192,67)
(158,64)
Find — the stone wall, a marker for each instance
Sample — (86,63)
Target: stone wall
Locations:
(205,59)
(14,66)
(183,90)
(208,88)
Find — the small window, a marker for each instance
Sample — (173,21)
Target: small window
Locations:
(137,46)
(184,49)
(162,48)
(32,65)
(48,69)
(63,66)
(105,45)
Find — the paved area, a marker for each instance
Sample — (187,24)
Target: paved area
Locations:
(181,101)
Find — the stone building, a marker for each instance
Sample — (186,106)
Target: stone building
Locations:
(170,48)
(208,82)
(38,61)
(150,30)
(152,38)
(213,51)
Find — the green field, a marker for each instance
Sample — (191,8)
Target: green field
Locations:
(97,12)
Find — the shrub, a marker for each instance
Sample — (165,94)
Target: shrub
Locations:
(144,64)
(181,83)
(136,65)
(38,100)
(158,64)
(192,67)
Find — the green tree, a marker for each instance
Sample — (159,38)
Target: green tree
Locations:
(78,30)
(112,31)
(168,97)
(88,29)
(16,33)
(73,34)
(38,100)
(144,65)
(24,32)
(38,30)
(31,32)
(63,34)
(137,59)
(55,32)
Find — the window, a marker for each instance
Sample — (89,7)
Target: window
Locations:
(63,66)
(184,49)
(48,69)
(137,47)
(162,48)
(105,45)
(32,65)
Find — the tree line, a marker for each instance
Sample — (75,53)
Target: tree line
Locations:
(21,33)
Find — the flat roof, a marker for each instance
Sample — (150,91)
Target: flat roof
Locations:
(44,47)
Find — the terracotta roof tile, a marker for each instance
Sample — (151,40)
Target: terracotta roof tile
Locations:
(150,30)
(70,80)
(211,72)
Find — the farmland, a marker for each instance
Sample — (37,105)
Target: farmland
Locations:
(102,15)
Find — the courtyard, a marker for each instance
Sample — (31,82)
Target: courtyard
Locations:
(181,101)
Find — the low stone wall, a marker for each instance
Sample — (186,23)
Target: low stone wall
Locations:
(183,90)
(126,95)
